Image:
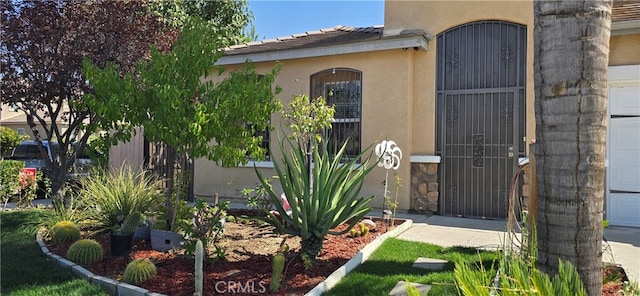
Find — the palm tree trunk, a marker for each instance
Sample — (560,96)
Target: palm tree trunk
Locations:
(571,44)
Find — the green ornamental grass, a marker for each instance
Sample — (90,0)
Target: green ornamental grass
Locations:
(106,193)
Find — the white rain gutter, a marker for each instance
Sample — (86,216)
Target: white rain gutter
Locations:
(412,42)
(625,28)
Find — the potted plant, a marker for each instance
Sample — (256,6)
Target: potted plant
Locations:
(122,233)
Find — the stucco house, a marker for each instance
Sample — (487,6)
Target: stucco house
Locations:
(15,119)
(451,82)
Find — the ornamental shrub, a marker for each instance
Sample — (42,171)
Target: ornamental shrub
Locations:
(104,194)
(10,179)
(9,139)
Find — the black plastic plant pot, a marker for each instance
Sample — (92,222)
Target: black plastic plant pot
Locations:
(121,244)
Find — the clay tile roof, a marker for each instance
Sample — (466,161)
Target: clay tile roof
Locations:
(625,10)
(323,37)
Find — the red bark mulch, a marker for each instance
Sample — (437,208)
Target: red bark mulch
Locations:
(247,272)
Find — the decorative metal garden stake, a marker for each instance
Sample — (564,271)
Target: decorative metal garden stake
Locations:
(389,156)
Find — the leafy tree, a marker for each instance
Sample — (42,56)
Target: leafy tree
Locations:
(571,60)
(174,99)
(308,119)
(9,139)
(43,45)
(228,18)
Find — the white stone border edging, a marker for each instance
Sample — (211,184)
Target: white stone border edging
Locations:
(111,285)
(358,259)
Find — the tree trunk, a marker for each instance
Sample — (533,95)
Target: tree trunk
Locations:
(571,41)
(58,188)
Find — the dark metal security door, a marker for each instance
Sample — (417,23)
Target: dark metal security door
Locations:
(480,115)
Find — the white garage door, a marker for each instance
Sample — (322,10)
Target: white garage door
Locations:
(623,206)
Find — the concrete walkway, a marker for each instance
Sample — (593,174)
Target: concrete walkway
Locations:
(621,245)
(624,243)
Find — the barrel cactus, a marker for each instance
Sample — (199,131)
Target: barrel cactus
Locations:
(85,251)
(65,231)
(139,270)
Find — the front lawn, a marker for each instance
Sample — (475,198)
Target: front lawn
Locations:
(392,261)
(24,270)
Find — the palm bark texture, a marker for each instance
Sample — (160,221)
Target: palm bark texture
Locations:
(571,44)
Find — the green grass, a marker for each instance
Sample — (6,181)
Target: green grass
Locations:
(392,261)
(24,270)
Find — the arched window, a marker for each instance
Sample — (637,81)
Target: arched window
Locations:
(342,88)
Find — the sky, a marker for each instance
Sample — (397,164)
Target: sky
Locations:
(283,18)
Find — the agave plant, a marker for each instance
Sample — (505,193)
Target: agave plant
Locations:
(321,198)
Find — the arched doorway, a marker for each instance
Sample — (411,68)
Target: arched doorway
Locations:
(480,115)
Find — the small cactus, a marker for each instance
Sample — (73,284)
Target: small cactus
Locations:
(360,230)
(364,230)
(85,251)
(65,231)
(198,274)
(277,267)
(139,270)
(131,223)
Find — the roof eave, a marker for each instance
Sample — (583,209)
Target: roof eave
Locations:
(625,28)
(415,42)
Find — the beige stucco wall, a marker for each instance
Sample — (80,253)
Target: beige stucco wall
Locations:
(624,50)
(435,17)
(386,114)
(18,120)
(398,88)
(25,127)
(398,91)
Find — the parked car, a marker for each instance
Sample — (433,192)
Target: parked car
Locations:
(29,152)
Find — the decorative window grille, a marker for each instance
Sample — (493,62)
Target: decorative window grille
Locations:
(264,144)
(342,88)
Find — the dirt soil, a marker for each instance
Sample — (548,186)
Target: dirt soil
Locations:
(613,277)
(246,270)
